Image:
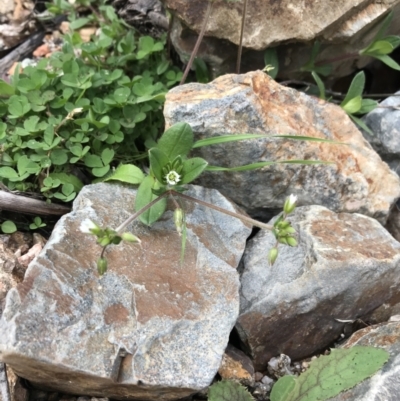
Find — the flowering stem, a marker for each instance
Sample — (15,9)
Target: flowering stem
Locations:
(221,210)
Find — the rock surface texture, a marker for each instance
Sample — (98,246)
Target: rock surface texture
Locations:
(357,181)
(385,384)
(150,328)
(344,28)
(345,266)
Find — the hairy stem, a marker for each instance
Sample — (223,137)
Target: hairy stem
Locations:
(239,55)
(227,212)
(197,45)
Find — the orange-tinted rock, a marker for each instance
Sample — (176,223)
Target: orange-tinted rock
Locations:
(356,181)
(151,327)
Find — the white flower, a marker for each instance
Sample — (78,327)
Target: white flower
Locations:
(292,199)
(87,226)
(172,177)
(290,204)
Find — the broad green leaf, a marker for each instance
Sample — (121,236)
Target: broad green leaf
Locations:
(59,156)
(176,140)
(93,160)
(356,87)
(162,67)
(158,160)
(271,58)
(330,375)
(78,23)
(226,138)
(367,105)
(379,47)
(8,172)
(8,227)
(6,89)
(320,85)
(201,69)
(18,106)
(192,168)
(144,196)
(352,106)
(388,61)
(121,95)
(228,390)
(65,178)
(100,171)
(127,173)
(107,155)
(282,388)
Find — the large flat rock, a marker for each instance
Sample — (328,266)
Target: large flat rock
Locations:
(151,328)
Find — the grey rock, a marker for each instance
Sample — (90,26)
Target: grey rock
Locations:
(151,327)
(345,266)
(385,384)
(357,181)
(384,122)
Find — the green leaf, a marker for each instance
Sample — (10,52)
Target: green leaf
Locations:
(65,178)
(8,172)
(92,160)
(227,390)
(18,106)
(352,106)
(107,155)
(202,74)
(6,89)
(367,105)
(361,124)
(100,171)
(255,166)
(330,375)
(158,160)
(388,61)
(384,27)
(320,85)
(271,58)
(226,138)
(192,168)
(144,196)
(282,388)
(8,227)
(177,140)
(379,47)
(356,88)
(127,173)
(78,23)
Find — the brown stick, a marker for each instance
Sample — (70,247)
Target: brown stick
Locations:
(239,55)
(22,204)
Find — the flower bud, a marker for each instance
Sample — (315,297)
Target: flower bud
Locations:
(291,241)
(129,237)
(290,204)
(179,220)
(272,255)
(102,265)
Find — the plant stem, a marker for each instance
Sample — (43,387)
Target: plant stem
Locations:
(139,212)
(221,210)
(239,55)
(197,45)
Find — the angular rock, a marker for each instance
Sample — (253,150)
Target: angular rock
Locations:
(358,181)
(345,266)
(151,327)
(384,122)
(385,384)
(237,366)
(344,28)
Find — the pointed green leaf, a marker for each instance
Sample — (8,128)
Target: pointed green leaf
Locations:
(127,173)
(192,168)
(352,106)
(320,85)
(356,87)
(367,105)
(8,172)
(144,196)
(226,138)
(380,47)
(361,124)
(158,160)
(176,140)
(388,61)
(384,27)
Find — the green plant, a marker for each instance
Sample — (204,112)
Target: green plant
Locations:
(329,375)
(227,390)
(37,223)
(8,227)
(71,116)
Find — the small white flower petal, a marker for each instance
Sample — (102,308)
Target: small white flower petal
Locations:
(86,226)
